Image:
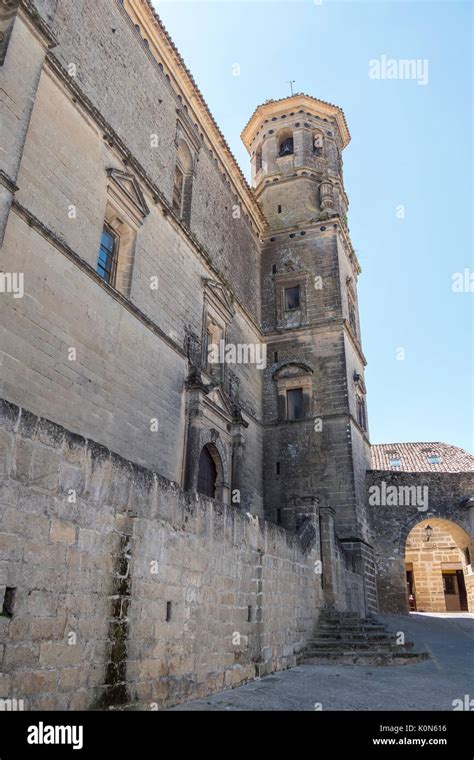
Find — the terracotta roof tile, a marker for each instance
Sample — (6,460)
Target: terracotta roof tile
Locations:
(421,457)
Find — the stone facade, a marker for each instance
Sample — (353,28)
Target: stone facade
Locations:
(126,588)
(398,528)
(171,523)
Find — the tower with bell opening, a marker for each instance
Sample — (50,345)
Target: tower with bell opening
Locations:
(316,445)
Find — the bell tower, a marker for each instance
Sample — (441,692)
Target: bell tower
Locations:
(316,445)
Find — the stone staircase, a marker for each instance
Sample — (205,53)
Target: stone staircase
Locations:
(343,638)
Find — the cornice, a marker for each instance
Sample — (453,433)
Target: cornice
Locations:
(31,15)
(142,13)
(300,100)
(7,182)
(55,69)
(65,249)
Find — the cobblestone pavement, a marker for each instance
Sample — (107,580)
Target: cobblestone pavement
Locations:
(429,685)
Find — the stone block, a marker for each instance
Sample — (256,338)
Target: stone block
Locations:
(55,655)
(63,532)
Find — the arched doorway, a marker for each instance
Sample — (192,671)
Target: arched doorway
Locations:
(209,482)
(438,567)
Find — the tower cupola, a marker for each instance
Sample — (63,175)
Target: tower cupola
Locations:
(295,145)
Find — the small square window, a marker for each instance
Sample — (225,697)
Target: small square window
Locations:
(434,459)
(395,462)
(294,404)
(292,298)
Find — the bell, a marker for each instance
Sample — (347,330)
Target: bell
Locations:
(286,148)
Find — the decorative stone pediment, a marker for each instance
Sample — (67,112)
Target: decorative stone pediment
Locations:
(217,399)
(216,295)
(125,190)
(292,369)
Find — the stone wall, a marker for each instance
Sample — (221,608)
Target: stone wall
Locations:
(131,357)
(112,63)
(127,588)
(447,501)
(445,552)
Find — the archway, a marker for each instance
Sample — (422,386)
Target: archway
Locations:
(438,567)
(210,472)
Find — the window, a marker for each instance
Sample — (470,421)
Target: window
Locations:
(293,391)
(279,208)
(207,474)
(215,359)
(107,263)
(292,298)
(178,190)
(218,314)
(286,147)
(361,413)
(395,462)
(258,159)
(352,316)
(448,584)
(125,212)
(294,404)
(434,459)
(183,180)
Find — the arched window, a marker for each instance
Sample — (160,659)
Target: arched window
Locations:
(207,473)
(286,146)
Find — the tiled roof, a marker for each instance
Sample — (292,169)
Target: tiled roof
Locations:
(421,457)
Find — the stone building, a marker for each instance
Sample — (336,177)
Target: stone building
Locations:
(184,436)
(423,528)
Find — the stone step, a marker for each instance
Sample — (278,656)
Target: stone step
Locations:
(347,619)
(356,636)
(342,645)
(368,657)
(352,628)
(347,639)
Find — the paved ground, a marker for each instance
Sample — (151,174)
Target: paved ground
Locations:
(429,685)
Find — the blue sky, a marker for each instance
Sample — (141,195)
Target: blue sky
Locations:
(411,147)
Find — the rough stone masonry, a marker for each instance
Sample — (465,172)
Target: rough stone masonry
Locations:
(171,524)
